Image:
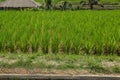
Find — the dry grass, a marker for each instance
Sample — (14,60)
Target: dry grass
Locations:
(74,63)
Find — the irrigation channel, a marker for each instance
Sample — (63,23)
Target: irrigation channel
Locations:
(55,77)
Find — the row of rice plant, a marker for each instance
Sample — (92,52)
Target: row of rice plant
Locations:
(73,32)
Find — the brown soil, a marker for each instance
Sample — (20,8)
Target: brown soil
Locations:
(46,71)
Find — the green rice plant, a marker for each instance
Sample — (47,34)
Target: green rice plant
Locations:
(72,32)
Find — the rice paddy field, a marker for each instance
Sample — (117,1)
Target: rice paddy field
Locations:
(69,32)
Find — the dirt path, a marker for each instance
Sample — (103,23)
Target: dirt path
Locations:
(19,3)
(55,77)
(52,71)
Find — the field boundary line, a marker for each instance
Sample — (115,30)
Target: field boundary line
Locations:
(60,77)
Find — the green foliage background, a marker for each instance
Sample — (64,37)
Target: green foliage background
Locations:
(80,0)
